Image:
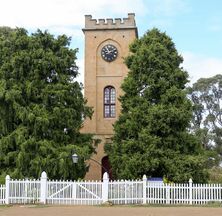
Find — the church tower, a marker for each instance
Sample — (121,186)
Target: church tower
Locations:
(106,45)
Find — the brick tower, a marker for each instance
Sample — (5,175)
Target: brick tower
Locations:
(106,44)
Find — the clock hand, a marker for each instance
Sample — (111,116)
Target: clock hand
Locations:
(112,51)
(106,50)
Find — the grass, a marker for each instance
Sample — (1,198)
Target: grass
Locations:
(209,204)
(5,206)
(26,205)
(38,206)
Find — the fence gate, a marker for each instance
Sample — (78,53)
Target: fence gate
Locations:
(74,193)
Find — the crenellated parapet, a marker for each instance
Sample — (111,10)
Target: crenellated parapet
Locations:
(92,24)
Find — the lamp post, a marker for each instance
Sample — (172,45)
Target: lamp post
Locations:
(75,159)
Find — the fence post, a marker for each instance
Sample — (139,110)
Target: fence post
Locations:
(105,187)
(43,191)
(190,191)
(144,189)
(7,189)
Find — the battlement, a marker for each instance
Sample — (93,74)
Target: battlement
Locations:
(128,22)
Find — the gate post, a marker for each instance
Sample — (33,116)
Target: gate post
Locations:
(43,194)
(190,191)
(105,187)
(7,189)
(144,189)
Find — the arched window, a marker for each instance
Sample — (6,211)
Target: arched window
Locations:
(109,102)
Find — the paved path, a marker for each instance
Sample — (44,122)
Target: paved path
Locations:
(109,211)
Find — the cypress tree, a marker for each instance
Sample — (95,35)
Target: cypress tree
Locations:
(151,134)
(41,106)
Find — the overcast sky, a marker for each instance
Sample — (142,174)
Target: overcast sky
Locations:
(194,25)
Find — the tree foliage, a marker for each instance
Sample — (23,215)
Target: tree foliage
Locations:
(206,95)
(151,135)
(41,106)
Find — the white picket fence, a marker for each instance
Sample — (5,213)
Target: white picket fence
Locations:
(97,192)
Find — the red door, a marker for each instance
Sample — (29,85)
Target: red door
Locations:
(106,167)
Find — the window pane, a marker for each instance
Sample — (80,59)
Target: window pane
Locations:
(113,96)
(106,99)
(107,111)
(107,96)
(112,111)
(107,90)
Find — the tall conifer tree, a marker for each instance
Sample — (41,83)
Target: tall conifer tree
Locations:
(151,135)
(41,106)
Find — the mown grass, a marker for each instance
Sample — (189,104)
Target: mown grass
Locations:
(209,204)
(5,206)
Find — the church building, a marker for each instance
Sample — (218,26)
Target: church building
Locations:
(106,44)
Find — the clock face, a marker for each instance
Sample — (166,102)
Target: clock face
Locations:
(109,52)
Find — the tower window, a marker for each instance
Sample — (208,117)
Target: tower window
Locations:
(109,102)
